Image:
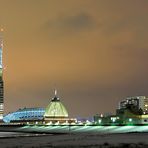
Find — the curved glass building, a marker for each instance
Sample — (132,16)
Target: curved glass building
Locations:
(25,114)
(55,112)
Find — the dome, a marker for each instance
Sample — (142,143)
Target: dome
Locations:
(55,109)
(25,114)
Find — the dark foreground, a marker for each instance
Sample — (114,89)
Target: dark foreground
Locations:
(21,140)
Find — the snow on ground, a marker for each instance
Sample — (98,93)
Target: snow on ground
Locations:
(132,140)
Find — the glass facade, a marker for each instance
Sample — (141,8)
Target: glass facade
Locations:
(1,84)
(25,114)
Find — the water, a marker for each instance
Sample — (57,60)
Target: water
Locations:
(29,140)
(17,134)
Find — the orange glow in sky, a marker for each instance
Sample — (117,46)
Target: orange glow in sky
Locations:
(93,52)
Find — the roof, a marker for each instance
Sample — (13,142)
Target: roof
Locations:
(55,109)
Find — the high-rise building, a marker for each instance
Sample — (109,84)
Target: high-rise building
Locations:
(1,80)
(140,102)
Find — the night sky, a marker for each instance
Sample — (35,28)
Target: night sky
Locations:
(94,52)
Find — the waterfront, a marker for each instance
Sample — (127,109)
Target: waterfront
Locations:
(72,129)
(5,135)
(76,140)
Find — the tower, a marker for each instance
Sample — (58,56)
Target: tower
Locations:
(1,78)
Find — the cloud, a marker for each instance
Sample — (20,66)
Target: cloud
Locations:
(70,24)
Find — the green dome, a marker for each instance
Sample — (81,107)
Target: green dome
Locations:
(55,109)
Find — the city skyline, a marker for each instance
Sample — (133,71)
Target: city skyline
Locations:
(93,52)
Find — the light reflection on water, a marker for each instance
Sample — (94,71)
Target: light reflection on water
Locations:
(18,134)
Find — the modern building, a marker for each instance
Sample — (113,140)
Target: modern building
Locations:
(132,110)
(56,112)
(1,80)
(25,114)
(139,102)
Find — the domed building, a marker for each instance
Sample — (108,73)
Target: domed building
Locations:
(56,111)
(25,114)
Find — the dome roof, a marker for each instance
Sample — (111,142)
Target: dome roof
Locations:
(55,108)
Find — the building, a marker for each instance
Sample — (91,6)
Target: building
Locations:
(131,111)
(56,112)
(106,120)
(1,80)
(138,102)
(25,114)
